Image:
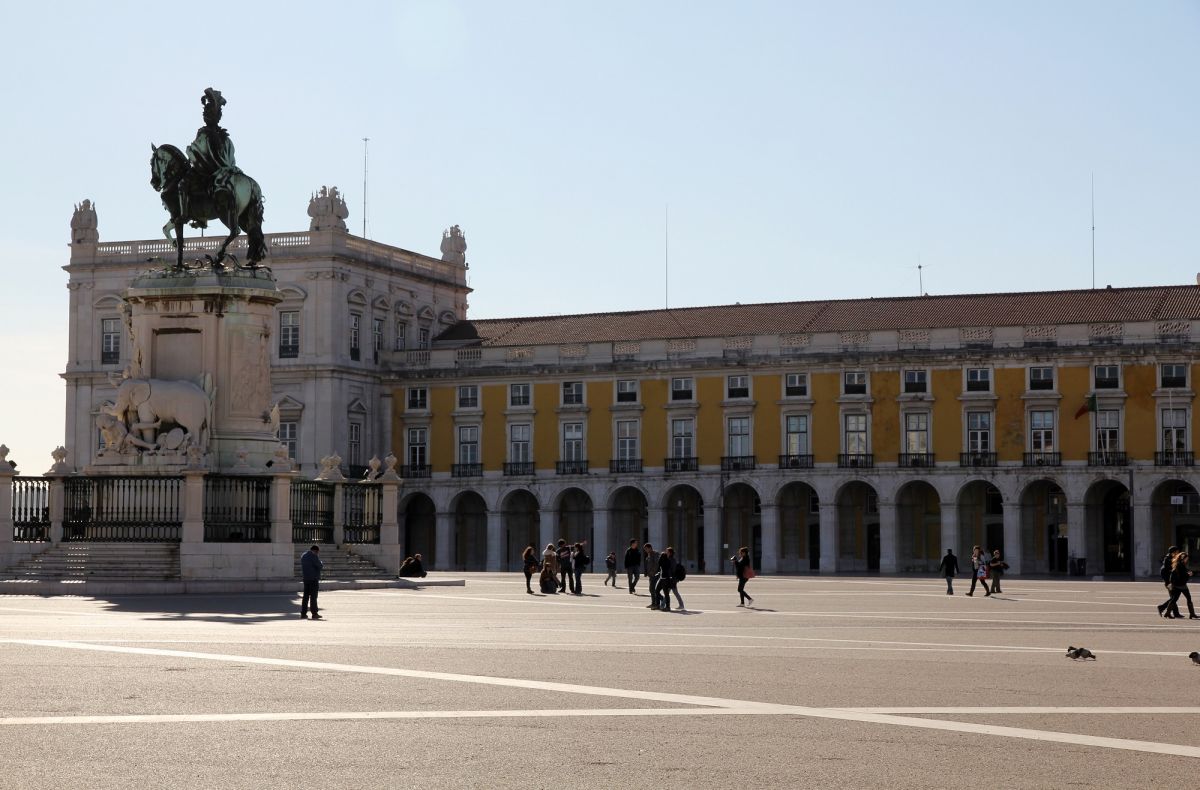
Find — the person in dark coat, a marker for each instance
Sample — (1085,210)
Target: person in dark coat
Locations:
(530,564)
(310,571)
(610,564)
(413,567)
(650,569)
(949,569)
(665,578)
(743,568)
(633,565)
(566,571)
(1179,583)
(996,568)
(1167,608)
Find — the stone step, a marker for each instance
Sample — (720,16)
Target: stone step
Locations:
(341,564)
(139,561)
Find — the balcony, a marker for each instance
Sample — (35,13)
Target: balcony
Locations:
(1175,458)
(355,353)
(977,459)
(795,462)
(625,466)
(518,468)
(681,464)
(738,463)
(110,357)
(1043,458)
(466,470)
(415,471)
(571,467)
(1110,458)
(289,352)
(856,460)
(916,460)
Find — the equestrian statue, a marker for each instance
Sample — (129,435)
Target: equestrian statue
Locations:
(207,184)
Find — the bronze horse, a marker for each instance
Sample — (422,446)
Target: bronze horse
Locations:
(240,211)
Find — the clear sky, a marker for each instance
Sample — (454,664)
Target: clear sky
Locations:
(805,149)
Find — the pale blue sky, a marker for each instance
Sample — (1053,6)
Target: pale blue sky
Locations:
(806,150)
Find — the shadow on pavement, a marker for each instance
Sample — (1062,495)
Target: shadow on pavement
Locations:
(232,609)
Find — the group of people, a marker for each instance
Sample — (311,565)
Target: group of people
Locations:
(1175,575)
(560,568)
(985,568)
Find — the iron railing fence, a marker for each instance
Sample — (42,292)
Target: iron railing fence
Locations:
(31,509)
(237,508)
(312,511)
(123,509)
(362,512)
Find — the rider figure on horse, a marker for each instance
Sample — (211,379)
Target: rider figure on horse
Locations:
(213,165)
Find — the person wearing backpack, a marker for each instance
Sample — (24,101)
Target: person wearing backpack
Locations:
(566,573)
(633,565)
(679,575)
(579,561)
(1168,608)
(610,564)
(665,578)
(650,569)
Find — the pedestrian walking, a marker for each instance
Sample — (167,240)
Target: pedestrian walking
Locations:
(650,570)
(1168,608)
(745,572)
(666,577)
(680,575)
(310,571)
(949,569)
(610,564)
(579,561)
(566,575)
(530,564)
(1179,583)
(996,568)
(633,565)
(978,571)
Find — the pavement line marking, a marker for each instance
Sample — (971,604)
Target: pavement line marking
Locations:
(1018,709)
(741,706)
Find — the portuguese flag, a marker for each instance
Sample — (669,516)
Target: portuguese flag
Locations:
(1089,404)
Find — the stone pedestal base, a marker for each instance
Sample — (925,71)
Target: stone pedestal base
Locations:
(236,561)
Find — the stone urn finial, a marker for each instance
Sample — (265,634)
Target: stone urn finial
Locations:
(59,454)
(389,473)
(280,462)
(331,468)
(372,468)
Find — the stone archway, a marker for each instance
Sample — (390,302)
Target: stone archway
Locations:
(741,524)
(1044,528)
(1109,538)
(420,530)
(858,527)
(980,520)
(683,515)
(575,518)
(1175,515)
(521,519)
(627,520)
(470,532)
(918,528)
(799,529)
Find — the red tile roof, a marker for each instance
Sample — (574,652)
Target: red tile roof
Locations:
(1032,308)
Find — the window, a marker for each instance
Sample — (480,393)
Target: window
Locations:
(110,341)
(518,443)
(1173,377)
(627,440)
(979,380)
(916,381)
(1174,427)
(289,334)
(418,398)
(423,338)
(1041,378)
(468,397)
(856,434)
(683,434)
(854,382)
(1108,431)
(916,432)
(681,389)
(795,385)
(737,387)
(979,431)
(1107,377)
(572,393)
(518,395)
(287,436)
(627,391)
(355,329)
(796,434)
(572,441)
(739,436)
(354,457)
(418,440)
(1041,431)
(468,444)
(377,334)
(401,335)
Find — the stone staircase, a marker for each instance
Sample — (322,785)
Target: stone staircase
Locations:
(100,561)
(341,564)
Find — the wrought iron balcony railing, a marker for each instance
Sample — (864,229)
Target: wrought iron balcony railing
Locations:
(1175,458)
(1043,458)
(684,464)
(800,461)
(738,463)
(916,460)
(625,466)
(466,470)
(415,470)
(1108,458)
(571,467)
(856,460)
(518,468)
(977,459)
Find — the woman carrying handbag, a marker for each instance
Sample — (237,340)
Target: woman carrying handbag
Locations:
(745,572)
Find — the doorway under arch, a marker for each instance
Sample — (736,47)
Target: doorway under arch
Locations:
(420,530)
(858,527)
(1044,528)
(521,520)
(918,528)
(684,517)
(470,532)
(799,529)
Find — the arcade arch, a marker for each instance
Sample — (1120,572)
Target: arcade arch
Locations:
(1175,516)
(980,519)
(918,528)
(470,532)
(684,523)
(419,530)
(1044,528)
(858,527)
(741,525)
(799,528)
(521,523)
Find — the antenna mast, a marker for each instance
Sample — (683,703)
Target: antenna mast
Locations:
(667,256)
(365,141)
(1093,231)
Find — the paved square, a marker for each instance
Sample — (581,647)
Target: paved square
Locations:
(825,682)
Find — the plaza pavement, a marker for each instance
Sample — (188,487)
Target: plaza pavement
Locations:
(826,683)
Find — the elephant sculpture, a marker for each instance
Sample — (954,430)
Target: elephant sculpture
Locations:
(169,415)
